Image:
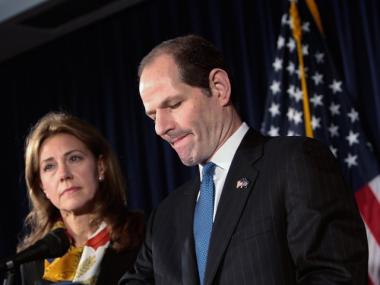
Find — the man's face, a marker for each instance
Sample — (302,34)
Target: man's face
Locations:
(188,119)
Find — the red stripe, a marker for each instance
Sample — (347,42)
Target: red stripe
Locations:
(370,210)
(100,239)
(370,281)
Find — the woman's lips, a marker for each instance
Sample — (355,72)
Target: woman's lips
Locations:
(70,190)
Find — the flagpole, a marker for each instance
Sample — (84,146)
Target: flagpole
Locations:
(297,34)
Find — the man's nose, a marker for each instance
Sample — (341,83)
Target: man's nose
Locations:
(164,122)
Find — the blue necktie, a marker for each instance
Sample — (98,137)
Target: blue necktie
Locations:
(203,218)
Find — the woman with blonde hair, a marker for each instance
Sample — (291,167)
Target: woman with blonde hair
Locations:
(74,181)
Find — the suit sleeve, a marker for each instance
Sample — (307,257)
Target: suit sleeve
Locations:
(325,232)
(142,272)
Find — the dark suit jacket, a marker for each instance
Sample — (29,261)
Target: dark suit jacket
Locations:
(113,266)
(295,223)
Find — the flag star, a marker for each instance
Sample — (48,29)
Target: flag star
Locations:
(291,68)
(354,116)
(305,50)
(277,64)
(291,90)
(352,138)
(333,129)
(284,19)
(319,57)
(306,27)
(299,72)
(296,94)
(290,114)
(315,122)
(334,109)
(334,151)
(274,131)
(318,78)
(275,87)
(274,109)
(280,42)
(370,146)
(297,117)
(291,45)
(336,86)
(316,100)
(351,160)
(290,133)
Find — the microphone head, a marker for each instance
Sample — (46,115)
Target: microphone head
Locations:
(57,243)
(54,244)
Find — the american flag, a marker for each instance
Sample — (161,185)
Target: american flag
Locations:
(307,97)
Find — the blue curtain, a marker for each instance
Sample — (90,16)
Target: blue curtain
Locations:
(92,74)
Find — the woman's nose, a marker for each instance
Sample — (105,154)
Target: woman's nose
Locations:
(65,172)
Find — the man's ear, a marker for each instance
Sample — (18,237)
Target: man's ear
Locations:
(220,85)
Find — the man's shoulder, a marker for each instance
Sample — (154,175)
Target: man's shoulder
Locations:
(254,138)
(293,147)
(294,142)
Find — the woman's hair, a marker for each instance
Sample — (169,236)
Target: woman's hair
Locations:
(110,199)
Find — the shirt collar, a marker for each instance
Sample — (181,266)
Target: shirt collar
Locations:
(224,155)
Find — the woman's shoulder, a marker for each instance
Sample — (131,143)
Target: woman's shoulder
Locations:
(131,231)
(135,223)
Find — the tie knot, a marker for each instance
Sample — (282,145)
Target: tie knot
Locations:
(208,169)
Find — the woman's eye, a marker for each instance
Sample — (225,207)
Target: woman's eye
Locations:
(48,167)
(75,158)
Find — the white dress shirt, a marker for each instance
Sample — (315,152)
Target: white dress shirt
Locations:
(222,159)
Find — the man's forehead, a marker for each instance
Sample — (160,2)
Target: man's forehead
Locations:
(161,62)
(154,85)
(158,75)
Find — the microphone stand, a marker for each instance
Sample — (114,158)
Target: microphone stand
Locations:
(9,268)
(8,280)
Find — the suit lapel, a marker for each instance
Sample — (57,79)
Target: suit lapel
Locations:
(233,200)
(188,259)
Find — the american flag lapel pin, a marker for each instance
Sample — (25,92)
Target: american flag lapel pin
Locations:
(242,183)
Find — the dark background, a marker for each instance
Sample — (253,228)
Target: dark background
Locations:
(91,72)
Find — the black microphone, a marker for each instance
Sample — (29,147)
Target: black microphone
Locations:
(54,244)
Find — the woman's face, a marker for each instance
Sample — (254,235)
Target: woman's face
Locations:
(69,173)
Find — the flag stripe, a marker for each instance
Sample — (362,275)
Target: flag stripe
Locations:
(375,186)
(373,259)
(370,210)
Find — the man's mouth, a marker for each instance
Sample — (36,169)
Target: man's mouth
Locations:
(178,139)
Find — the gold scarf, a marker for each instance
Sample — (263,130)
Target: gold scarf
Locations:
(79,264)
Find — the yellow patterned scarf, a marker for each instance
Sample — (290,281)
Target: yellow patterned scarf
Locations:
(79,264)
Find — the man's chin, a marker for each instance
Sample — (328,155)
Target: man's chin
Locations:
(188,161)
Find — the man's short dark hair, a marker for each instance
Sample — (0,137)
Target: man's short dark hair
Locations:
(195,58)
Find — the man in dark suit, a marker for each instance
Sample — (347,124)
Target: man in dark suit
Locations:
(281,212)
